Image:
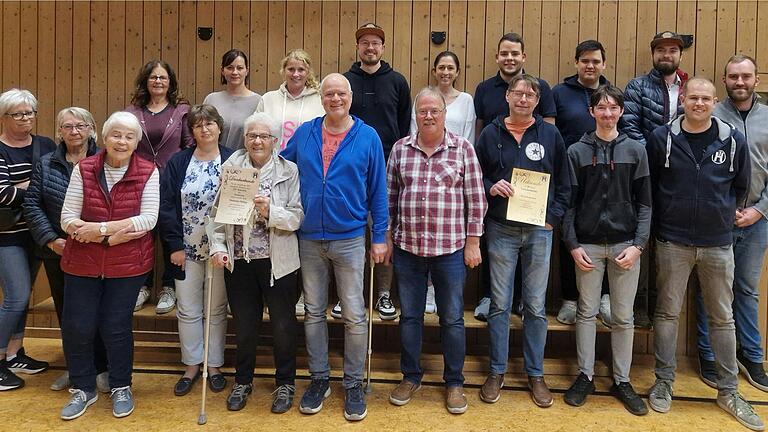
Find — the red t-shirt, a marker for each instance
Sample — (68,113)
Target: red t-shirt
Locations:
(331,143)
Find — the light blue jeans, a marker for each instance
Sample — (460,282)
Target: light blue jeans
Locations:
(16,282)
(532,245)
(346,259)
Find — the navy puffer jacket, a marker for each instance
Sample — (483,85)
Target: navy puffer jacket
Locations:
(646,105)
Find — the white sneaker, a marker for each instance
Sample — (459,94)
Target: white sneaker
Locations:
(567,313)
(385,307)
(336,311)
(430,306)
(166,302)
(61,382)
(604,313)
(142,298)
(300,306)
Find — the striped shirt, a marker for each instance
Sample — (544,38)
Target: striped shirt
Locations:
(150,198)
(435,201)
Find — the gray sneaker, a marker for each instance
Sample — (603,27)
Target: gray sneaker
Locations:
(741,410)
(482,309)
(61,382)
(166,301)
(122,401)
(77,405)
(567,313)
(660,397)
(604,312)
(102,382)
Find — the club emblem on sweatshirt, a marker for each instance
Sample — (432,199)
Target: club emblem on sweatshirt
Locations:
(534,151)
(718,157)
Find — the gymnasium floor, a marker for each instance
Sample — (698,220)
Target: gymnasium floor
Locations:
(36,408)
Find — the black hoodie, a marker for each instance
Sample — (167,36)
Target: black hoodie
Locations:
(383,101)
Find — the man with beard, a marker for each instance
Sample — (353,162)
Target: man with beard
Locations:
(651,100)
(750,235)
(382,99)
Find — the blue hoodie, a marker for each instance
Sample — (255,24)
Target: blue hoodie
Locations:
(336,204)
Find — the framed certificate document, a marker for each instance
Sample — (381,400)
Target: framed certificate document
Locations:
(529,203)
(238,188)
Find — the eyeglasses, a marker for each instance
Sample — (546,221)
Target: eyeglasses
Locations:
(21,115)
(517,94)
(75,127)
(434,112)
(158,78)
(372,44)
(208,125)
(255,137)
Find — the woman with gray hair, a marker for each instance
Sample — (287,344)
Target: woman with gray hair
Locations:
(76,134)
(19,152)
(111,204)
(261,260)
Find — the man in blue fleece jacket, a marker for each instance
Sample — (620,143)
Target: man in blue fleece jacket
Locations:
(342,178)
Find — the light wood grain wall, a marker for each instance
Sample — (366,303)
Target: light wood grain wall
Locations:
(88,53)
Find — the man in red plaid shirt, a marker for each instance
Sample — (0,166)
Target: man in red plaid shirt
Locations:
(436,206)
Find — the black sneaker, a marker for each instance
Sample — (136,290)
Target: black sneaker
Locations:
(239,395)
(754,371)
(283,399)
(386,309)
(632,402)
(577,394)
(708,372)
(312,400)
(8,380)
(23,363)
(355,408)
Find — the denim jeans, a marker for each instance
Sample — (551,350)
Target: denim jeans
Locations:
(749,245)
(17,269)
(448,276)
(106,306)
(623,286)
(532,245)
(714,268)
(346,259)
(191,295)
(248,289)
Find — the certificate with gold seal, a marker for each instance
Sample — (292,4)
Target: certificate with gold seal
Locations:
(238,188)
(529,203)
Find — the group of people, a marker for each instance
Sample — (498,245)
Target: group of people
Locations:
(658,179)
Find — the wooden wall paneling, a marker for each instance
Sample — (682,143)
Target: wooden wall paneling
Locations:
(80,56)
(276,47)
(588,18)
(725,43)
(348,24)
(313,31)
(420,45)
(241,21)
(170,35)
(607,35)
(475,59)
(63,90)
(204,52)
(329,50)
(400,47)
(152,31)
(97,103)
(550,42)
(222,42)
(746,27)
(134,46)
(258,52)
(11,43)
(515,14)
(534,41)
(626,43)
(386,20)
(28,48)
(46,67)
(569,36)
(116,58)
(646,28)
(686,24)
(187,46)
(294,25)
(762,37)
(438,22)
(366,12)
(666,16)
(494,30)
(457,38)
(2,82)
(706,20)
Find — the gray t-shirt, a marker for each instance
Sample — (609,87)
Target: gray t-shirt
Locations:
(234,110)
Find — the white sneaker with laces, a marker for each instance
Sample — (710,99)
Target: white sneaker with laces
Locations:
(141,298)
(300,306)
(166,302)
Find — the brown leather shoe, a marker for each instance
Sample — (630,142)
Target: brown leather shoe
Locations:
(539,392)
(402,394)
(490,392)
(455,401)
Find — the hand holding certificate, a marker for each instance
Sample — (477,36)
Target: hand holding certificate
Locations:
(238,187)
(529,202)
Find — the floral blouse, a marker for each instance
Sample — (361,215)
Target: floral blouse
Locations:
(258,243)
(198,191)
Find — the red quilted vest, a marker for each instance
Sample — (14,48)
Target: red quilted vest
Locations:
(132,258)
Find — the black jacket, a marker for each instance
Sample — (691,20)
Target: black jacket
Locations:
(169,216)
(499,152)
(694,200)
(383,101)
(572,101)
(45,197)
(611,191)
(646,105)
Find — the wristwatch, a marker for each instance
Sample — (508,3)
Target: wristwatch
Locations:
(103,228)
(639,247)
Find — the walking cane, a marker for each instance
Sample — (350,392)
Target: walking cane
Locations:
(368,388)
(202,419)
